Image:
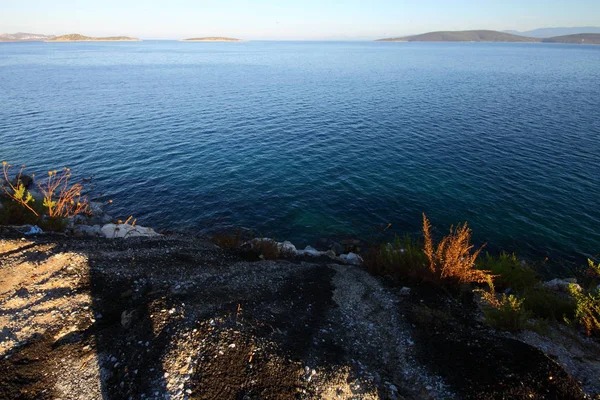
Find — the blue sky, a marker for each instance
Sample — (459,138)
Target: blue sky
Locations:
(288,20)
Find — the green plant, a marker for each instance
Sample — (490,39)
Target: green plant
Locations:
(593,269)
(545,303)
(13,213)
(17,191)
(452,259)
(587,309)
(403,258)
(509,271)
(506,313)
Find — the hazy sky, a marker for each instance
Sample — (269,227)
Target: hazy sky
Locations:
(288,19)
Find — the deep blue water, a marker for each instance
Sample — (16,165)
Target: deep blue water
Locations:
(304,140)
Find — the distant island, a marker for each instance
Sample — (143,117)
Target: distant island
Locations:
(75,37)
(463,36)
(23,37)
(212,39)
(493,36)
(583,38)
(544,33)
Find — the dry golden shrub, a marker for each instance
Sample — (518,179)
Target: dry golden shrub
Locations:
(61,198)
(453,258)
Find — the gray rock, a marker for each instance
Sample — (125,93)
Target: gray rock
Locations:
(112,231)
(405,291)
(287,248)
(561,285)
(127,318)
(352,258)
(311,251)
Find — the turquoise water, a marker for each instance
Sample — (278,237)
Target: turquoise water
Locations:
(304,140)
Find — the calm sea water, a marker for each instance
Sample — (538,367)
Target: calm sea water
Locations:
(304,140)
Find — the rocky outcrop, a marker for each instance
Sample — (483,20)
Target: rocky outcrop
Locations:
(113,231)
(176,317)
(561,285)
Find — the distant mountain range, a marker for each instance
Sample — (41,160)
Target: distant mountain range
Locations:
(494,36)
(584,38)
(23,37)
(543,33)
(461,36)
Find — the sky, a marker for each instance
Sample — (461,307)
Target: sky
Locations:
(288,19)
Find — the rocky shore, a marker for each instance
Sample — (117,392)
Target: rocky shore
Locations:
(124,312)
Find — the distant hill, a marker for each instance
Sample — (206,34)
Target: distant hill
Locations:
(23,37)
(585,38)
(75,37)
(462,36)
(544,33)
(212,39)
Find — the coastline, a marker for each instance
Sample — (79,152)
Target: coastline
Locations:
(87,40)
(240,311)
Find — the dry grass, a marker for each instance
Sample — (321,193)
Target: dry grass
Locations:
(453,258)
(63,200)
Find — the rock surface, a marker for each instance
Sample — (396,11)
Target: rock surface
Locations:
(113,231)
(175,317)
(561,285)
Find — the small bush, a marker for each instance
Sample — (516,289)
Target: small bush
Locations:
(61,200)
(506,313)
(401,259)
(544,303)
(13,213)
(587,309)
(509,272)
(15,190)
(509,314)
(452,259)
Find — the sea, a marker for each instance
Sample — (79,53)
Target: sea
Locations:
(304,140)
